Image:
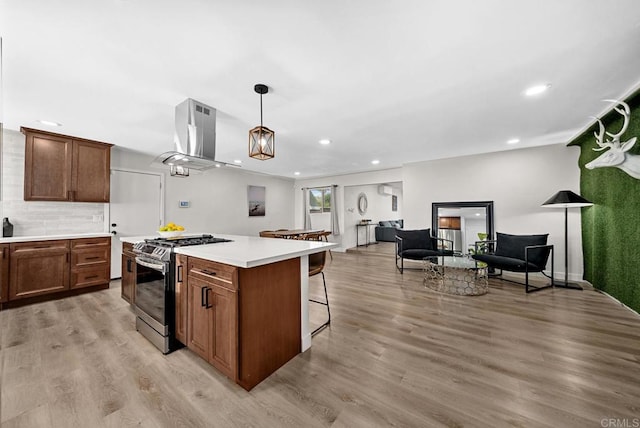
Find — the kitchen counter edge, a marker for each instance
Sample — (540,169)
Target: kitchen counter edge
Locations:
(15,239)
(247,251)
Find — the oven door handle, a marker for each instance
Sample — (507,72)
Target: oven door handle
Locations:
(155,266)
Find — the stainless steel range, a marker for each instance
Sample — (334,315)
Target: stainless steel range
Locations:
(155,287)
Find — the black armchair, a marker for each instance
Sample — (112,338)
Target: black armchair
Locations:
(418,245)
(517,253)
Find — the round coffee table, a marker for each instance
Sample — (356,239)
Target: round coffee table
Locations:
(461,276)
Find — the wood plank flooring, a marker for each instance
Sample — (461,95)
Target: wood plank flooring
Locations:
(395,354)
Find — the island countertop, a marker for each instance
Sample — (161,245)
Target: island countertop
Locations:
(246,251)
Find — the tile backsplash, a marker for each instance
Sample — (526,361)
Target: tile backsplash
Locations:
(32,218)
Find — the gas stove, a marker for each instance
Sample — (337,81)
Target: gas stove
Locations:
(160,249)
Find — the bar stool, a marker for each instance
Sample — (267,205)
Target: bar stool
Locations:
(323,235)
(316,266)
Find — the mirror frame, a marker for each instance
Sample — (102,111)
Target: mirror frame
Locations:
(363,204)
(487,205)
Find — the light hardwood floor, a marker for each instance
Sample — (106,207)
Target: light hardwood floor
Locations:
(396,354)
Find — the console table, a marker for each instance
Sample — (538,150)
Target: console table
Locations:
(367,240)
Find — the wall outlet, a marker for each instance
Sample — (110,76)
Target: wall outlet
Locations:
(183,204)
(98,218)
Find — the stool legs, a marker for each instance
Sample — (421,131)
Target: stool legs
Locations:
(325,303)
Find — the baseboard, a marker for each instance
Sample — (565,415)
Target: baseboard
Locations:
(615,300)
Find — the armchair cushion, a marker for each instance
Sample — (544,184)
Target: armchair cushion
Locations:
(507,263)
(385,223)
(415,239)
(513,246)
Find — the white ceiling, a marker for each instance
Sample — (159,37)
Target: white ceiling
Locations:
(395,81)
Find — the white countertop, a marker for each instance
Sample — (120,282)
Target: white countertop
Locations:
(247,251)
(53,237)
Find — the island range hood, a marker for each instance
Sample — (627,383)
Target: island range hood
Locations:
(194,138)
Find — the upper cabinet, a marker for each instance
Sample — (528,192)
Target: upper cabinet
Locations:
(64,168)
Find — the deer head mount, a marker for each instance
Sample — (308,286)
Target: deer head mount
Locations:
(617,155)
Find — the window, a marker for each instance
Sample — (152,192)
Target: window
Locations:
(320,200)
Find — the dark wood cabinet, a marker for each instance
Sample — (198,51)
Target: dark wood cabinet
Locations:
(38,268)
(212,330)
(181,296)
(90,179)
(64,168)
(90,262)
(128,280)
(245,322)
(4,273)
(47,167)
(449,223)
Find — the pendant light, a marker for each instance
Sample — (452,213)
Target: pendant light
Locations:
(261,139)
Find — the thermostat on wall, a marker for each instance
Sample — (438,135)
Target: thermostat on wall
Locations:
(183,204)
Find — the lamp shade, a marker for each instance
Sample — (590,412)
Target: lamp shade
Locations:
(566,199)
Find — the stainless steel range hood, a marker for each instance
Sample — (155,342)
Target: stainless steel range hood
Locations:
(194,138)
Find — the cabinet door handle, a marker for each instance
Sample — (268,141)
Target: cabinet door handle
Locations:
(208,272)
(93,258)
(4,253)
(203,291)
(129,265)
(179,273)
(206,298)
(67,257)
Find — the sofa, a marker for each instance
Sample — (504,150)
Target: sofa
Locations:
(386,230)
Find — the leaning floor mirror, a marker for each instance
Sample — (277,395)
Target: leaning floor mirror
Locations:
(463,223)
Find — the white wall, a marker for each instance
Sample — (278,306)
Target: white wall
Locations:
(518,181)
(365,178)
(218,197)
(34,218)
(379,208)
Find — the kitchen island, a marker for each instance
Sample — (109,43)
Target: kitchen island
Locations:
(247,302)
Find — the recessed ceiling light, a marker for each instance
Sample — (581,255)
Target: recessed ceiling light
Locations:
(324,142)
(513,141)
(537,89)
(477,214)
(375,161)
(237,161)
(296,173)
(49,122)
(218,165)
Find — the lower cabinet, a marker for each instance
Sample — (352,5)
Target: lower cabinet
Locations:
(4,273)
(90,262)
(212,325)
(246,322)
(128,281)
(38,268)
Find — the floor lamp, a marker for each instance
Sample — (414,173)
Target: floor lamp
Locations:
(566,199)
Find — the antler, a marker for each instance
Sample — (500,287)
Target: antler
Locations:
(599,136)
(625,111)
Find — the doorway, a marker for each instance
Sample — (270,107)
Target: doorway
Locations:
(136,208)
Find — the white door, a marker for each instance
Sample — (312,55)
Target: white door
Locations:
(136,208)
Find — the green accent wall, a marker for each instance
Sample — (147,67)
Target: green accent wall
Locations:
(611,228)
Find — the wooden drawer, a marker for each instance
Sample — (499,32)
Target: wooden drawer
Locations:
(214,273)
(89,257)
(20,247)
(77,244)
(90,276)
